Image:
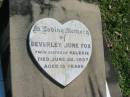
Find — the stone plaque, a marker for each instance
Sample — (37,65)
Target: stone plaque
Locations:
(61,50)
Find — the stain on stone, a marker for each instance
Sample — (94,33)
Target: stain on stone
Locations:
(100,93)
(55,0)
(92,87)
(90,1)
(41,2)
(22,7)
(78,15)
(43,95)
(85,91)
(63,8)
(44,5)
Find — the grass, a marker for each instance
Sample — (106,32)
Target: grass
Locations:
(116,32)
(116,28)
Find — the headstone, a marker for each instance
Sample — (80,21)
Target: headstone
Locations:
(27,79)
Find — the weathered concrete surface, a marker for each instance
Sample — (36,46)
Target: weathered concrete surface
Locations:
(27,80)
(112,80)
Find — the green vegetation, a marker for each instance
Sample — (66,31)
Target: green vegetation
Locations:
(116,31)
(116,28)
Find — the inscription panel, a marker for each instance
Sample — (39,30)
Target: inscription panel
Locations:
(61,50)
